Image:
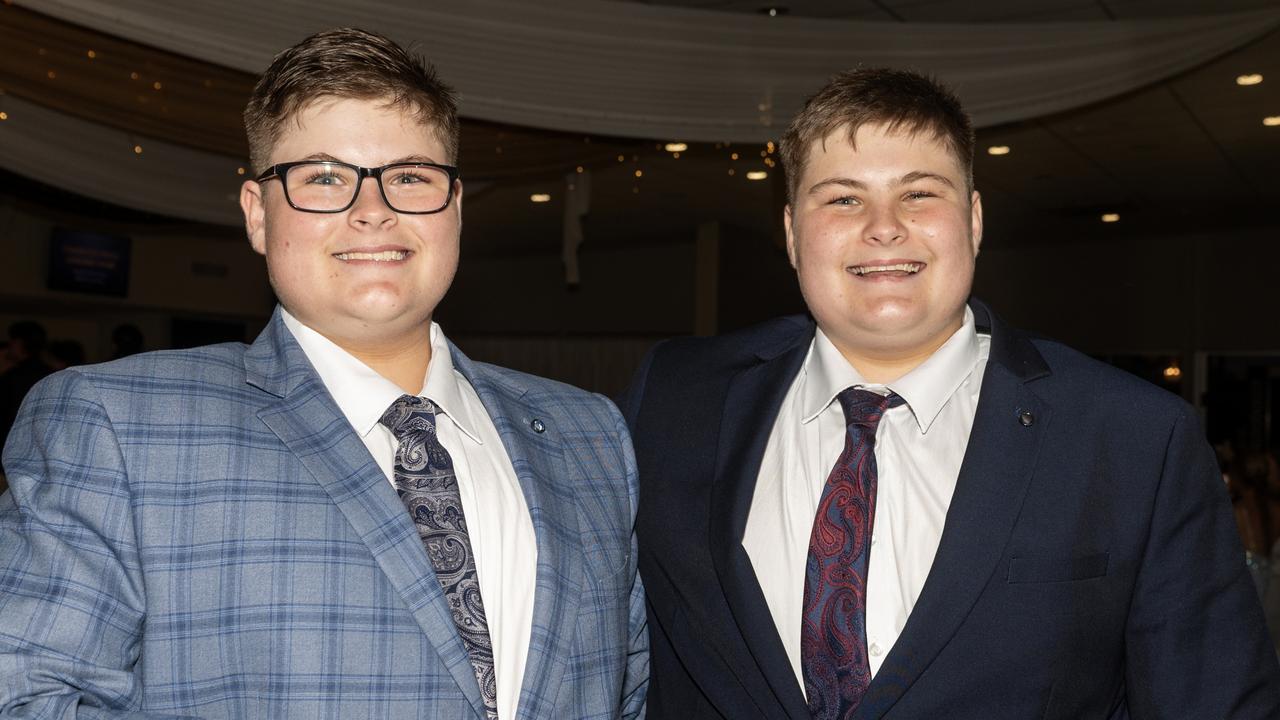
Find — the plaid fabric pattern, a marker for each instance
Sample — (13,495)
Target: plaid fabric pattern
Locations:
(201,534)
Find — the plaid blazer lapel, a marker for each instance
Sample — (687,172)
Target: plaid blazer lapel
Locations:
(309,423)
(538,459)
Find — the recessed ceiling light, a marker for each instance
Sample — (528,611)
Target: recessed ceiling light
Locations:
(676,147)
(757,175)
(1271,120)
(1252,79)
(1110,217)
(540,197)
(998,150)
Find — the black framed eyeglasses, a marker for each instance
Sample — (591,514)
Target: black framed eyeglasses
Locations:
(328,186)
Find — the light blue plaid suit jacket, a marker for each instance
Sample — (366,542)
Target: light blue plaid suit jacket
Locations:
(201,533)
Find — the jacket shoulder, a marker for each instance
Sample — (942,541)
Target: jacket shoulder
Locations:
(1081,377)
(545,394)
(722,353)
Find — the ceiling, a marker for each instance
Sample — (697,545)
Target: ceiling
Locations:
(1190,154)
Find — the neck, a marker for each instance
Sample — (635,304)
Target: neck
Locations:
(403,360)
(884,365)
(883,370)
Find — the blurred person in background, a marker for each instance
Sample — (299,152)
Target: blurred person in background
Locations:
(25,354)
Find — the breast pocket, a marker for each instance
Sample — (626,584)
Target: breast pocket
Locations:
(1051,568)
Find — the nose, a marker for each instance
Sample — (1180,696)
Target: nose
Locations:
(884,227)
(370,209)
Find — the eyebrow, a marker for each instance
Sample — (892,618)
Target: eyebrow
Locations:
(326,157)
(910,177)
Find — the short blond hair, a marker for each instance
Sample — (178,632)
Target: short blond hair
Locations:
(347,63)
(897,99)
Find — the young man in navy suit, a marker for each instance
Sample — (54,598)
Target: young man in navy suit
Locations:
(900,507)
(348,518)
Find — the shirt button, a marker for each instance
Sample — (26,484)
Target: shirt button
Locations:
(876,649)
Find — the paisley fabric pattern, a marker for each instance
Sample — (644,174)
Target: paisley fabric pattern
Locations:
(428,487)
(834,634)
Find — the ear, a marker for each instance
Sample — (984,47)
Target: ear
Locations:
(791,237)
(255,221)
(975,221)
(457,200)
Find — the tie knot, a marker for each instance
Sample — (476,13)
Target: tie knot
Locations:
(410,414)
(865,408)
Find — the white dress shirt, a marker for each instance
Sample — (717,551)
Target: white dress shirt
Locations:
(498,521)
(919,448)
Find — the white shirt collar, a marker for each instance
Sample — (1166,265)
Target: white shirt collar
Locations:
(363,395)
(926,389)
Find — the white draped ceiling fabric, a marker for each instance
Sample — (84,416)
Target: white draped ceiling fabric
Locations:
(634,70)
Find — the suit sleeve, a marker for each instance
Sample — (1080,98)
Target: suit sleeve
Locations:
(71,589)
(635,683)
(1196,645)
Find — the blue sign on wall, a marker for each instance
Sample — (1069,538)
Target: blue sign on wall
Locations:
(89,262)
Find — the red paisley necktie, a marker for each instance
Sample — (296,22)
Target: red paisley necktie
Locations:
(834,634)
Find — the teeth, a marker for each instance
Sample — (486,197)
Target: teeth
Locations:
(900,267)
(384,256)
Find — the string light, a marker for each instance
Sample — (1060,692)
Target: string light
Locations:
(1271,121)
(91,54)
(580,169)
(639,173)
(1251,79)
(757,175)
(133,76)
(156,85)
(675,147)
(137,149)
(540,197)
(239,171)
(998,150)
(1110,217)
(733,156)
(4,115)
(52,75)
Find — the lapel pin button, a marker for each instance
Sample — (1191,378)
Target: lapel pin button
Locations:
(1026,418)
(537,426)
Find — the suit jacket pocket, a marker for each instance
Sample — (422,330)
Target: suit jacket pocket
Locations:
(1048,568)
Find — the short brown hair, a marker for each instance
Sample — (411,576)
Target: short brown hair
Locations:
(897,99)
(347,63)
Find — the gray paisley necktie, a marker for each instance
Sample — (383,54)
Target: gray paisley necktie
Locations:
(428,487)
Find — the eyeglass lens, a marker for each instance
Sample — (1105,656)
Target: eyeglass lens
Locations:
(407,188)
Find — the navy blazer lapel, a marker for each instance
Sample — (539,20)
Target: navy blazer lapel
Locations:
(752,402)
(1008,429)
(538,459)
(310,424)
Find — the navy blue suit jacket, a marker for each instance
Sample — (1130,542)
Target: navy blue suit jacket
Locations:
(1089,566)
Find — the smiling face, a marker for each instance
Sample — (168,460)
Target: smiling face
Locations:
(883,233)
(367,278)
